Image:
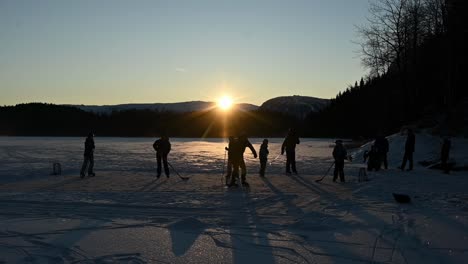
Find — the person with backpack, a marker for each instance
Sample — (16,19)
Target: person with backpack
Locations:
(339,154)
(263,157)
(289,144)
(88,161)
(162,147)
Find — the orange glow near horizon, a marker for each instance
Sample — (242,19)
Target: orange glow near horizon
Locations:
(225,103)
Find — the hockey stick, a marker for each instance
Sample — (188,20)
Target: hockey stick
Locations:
(182,178)
(319,180)
(275,159)
(224,165)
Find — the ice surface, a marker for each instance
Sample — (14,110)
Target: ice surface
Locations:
(126,215)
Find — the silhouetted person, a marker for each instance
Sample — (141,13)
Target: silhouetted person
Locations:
(229,162)
(88,161)
(339,154)
(162,147)
(444,155)
(409,150)
(263,157)
(382,148)
(244,143)
(289,144)
(373,160)
(236,157)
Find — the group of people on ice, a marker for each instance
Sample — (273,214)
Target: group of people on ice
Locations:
(236,163)
(375,157)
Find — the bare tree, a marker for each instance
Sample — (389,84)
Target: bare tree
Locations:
(382,40)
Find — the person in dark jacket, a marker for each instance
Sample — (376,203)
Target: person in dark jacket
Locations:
(244,143)
(162,147)
(236,157)
(373,160)
(289,144)
(263,157)
(88,156)
(444,155)
(409,150)
(229,162)
(339,154)
(382,148)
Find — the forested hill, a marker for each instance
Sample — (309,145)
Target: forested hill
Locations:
(416,52)
(38,119)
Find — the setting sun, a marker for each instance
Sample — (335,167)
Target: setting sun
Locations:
(225,103)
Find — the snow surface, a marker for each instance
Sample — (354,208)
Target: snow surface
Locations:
(126,215)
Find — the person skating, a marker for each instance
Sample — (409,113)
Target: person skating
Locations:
(162,147)
(263,153)
(339,154)
(289,144)
(244,142)
(88,161)
(444,155)
(409,150)
(382,148)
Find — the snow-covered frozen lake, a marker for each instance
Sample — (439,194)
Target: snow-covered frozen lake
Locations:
(126,215)
(29,157)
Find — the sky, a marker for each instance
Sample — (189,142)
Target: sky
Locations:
(113,52)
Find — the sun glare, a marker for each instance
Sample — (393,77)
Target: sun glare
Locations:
(225,103)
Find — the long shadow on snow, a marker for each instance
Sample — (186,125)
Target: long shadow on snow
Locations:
(302,225)
(431,256)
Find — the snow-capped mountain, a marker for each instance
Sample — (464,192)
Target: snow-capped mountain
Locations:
(169,107)
(298,106)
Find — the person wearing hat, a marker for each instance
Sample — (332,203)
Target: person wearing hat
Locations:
(339,154)
(88,161)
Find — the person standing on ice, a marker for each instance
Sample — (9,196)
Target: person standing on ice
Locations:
(289,145)
(244,143)
(263,157)
(382,147)
(409,150)
(162,147)
(339,154)
(229,161)
(236,157)
(444,155)
(88,161)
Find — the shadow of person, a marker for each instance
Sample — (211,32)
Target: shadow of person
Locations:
(184,233)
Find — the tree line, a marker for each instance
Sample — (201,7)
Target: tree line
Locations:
(416,55)
(40,119)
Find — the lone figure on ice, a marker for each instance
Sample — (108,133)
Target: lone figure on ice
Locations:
(263,157)
(88,161)
(339,154)
(444,155)
(409,150)
(162,147)
(289,145)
